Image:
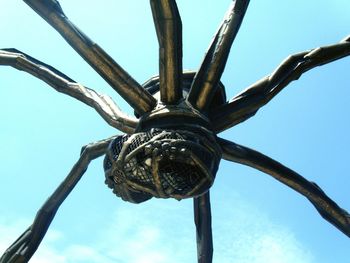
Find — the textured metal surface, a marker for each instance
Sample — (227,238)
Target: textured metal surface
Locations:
(169,31)
(209,74)
(102,63)
(152,85)
(171,150)
(161,163)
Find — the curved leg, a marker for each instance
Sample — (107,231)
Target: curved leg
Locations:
(208,76)
(169,32)
(140,99)
(248,102)
(202,219)
(104,105)
(328,209)
(26,245)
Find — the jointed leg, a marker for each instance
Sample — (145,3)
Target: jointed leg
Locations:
(328,209)
(208,76)
(25,246)
(248,102)
(169,31)
(202,219)
(104,105)
(141,100)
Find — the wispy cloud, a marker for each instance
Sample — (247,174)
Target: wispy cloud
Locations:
(251,237)
(11,229)
(132,238)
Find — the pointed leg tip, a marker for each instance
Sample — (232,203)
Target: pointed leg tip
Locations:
(346,39)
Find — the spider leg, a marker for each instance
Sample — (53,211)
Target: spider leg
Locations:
(26,245)
(104,105)
(327,208)
(202,219)
(248,102)
(169,32)
(208,76)
(140,99)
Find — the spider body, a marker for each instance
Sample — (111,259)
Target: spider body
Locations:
(173,154)
(171,149)
(162,163)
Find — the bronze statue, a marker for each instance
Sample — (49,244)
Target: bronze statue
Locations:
(171,149)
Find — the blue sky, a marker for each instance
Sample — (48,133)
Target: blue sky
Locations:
(255,218)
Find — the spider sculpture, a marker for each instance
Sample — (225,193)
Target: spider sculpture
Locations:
(171,148)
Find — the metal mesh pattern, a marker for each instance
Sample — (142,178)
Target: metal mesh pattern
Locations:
(179,177)
(160,163)
(115,149)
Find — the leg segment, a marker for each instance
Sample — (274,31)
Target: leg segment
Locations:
(169,32)
(247,103)
(104,105)
(141,100)
(202,219)
(328,209)
(209,74)
(26,245)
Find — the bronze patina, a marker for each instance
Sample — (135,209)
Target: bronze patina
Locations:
(171,148)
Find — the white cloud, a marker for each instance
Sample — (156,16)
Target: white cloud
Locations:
(253,238)
(11,229)
(268,247)
(130,238)
(135,236)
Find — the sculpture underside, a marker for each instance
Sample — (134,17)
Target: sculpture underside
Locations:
(170,149)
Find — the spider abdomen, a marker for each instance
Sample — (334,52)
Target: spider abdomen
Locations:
(161,163)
